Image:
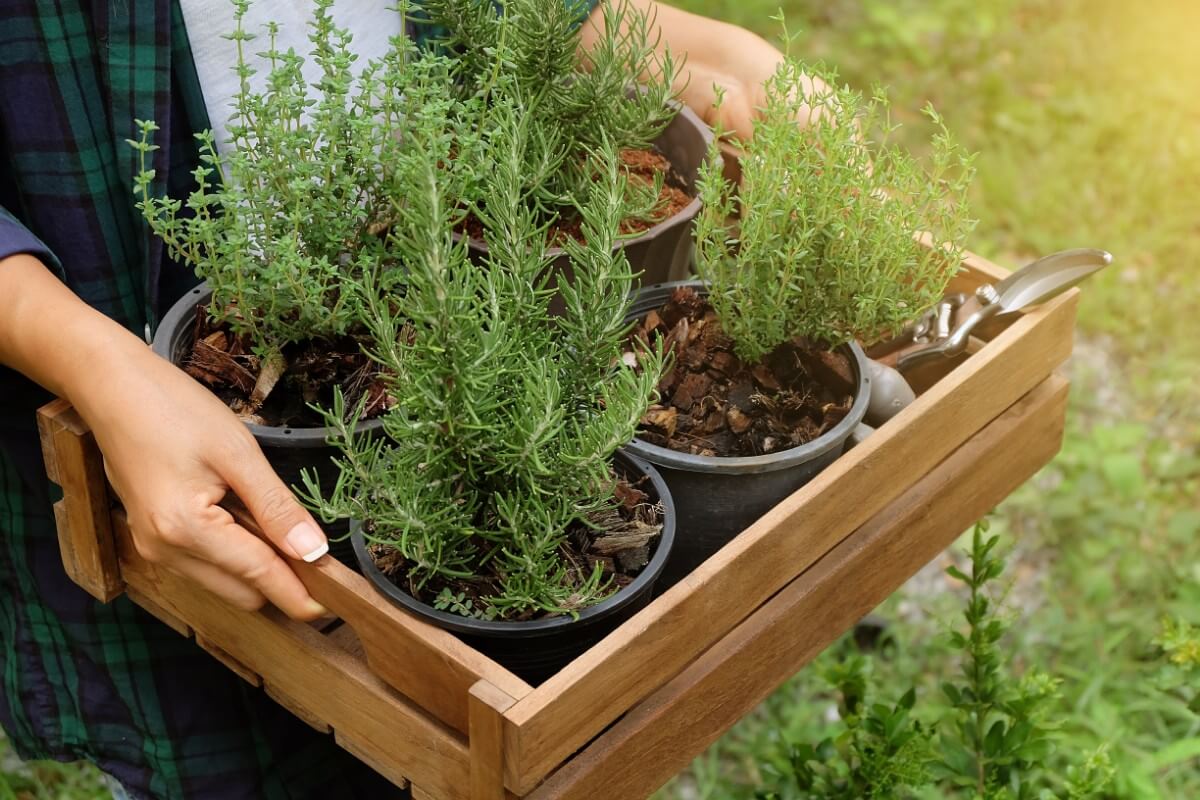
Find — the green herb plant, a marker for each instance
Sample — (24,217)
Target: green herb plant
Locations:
(998,733)
(1179,675)
(993,742)
(506,416)
(278,225)
(819,238)
(618,94)
(880,749)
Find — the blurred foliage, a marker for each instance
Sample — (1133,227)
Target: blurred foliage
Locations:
(993,742)
(1086,118)
(48,780)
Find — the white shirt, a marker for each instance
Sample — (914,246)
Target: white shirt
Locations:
(371,23)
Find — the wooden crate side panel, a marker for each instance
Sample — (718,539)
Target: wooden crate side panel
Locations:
(976,270)
(295,661)
(659,738)
(488,705)
(378,758)
(573,706)
(232,664)
(161,614)
(297,708)
(428,665)
(85,536)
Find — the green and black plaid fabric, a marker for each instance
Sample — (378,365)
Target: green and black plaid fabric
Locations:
(83,679)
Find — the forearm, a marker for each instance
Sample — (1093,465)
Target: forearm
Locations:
(53,337)
(172,449)
(718,54)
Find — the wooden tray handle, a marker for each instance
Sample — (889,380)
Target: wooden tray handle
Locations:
(84,515)
(401,649)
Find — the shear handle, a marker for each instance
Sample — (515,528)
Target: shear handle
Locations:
(988,306)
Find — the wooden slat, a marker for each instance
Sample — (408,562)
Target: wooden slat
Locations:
(430,666)
(976,270)
(376,757)
(232,664)
(488,705)
(84,533)
(369,718)
(581,700)
(160,613)
(298,708)
(660,737)
(345,638)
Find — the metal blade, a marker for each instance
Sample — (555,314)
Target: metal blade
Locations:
(1041,280)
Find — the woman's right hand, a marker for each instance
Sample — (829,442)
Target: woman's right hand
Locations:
(172,449)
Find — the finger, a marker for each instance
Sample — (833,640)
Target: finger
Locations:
(235,551)
(274,507)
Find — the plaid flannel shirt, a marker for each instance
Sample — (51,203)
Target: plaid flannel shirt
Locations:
(81,679)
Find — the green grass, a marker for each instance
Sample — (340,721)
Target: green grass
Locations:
(1086,116)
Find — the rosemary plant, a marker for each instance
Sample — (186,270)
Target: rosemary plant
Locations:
(295,209)
(825,245)
(505,416)
(620,94)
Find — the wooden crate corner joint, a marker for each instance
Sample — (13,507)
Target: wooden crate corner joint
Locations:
(84,515)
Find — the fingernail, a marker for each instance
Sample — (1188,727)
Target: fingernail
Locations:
(308,541)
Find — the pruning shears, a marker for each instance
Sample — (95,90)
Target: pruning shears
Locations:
(943,332)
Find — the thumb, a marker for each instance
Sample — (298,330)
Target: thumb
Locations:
(284,521)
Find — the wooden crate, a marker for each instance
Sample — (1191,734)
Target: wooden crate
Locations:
(420,706)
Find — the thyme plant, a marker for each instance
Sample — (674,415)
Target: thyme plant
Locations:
(619,94)
(505,416)
(823,244)
(279,225)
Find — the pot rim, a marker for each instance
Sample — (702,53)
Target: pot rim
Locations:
(536,627)
(182,313)
(678,218)
(769,462)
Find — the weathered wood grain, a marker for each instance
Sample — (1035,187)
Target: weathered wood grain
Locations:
(428,665)
(573,706)
(85,536)
(369,718)
(486,740)
(659,737)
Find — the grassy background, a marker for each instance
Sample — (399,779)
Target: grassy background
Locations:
(1086,115)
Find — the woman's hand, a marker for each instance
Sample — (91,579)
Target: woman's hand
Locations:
(172,449)
(718,54)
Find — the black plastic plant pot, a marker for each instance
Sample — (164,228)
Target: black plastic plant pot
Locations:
(537,649)
(718,497)
(289,450)
(664,252)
